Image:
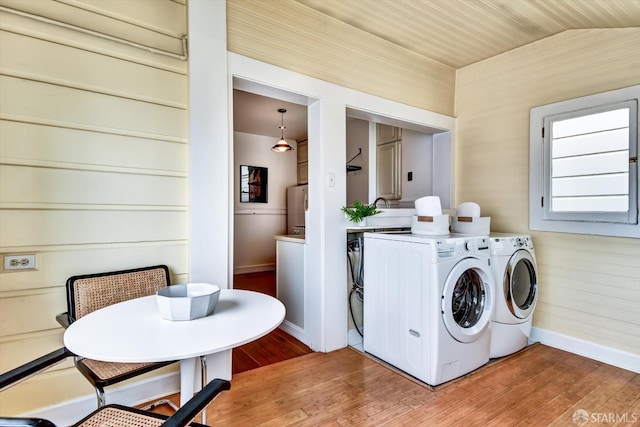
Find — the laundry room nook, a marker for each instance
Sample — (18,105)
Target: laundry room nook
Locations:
(440,295)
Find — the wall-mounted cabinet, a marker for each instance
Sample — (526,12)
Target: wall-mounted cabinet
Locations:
(303,162)
(386,133)
(388,161)
(388,170)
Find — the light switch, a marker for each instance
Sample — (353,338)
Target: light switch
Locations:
(331,179)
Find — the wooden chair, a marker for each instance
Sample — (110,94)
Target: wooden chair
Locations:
(87,293)
(110,415)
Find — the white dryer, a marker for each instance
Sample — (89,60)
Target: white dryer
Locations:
(516,291)
(428,303)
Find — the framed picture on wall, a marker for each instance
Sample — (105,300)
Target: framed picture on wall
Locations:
(253,184)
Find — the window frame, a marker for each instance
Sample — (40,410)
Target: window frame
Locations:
(599,223)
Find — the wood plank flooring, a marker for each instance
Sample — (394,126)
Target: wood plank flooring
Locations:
(272,348)
(273,385)
(536,387)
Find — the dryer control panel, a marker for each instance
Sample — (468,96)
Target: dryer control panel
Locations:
(506,246)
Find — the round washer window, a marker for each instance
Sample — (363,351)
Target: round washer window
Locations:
(523,284)
(467,302)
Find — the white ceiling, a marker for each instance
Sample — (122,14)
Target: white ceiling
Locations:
(259,115)
(453,32)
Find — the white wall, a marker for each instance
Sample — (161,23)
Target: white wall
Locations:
(417,157)
(325,254)
(255,224)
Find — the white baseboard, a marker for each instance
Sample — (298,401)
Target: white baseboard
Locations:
(296,332)
(355,340)
(608,355)
(148,390)
(254,268)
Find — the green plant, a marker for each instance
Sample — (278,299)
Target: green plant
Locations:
(359,211)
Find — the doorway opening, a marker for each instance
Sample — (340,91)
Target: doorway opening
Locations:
(257,121)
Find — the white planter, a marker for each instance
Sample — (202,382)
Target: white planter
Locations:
(362,223)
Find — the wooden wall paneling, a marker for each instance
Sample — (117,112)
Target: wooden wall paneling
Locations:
(35,144)
(105,24)
(71,107)
(588,284)
(55,264)
(293,36)
(163,16)
(23,25)
(75,227)
(19,350)
(68,66)
(51,186)
(45,389)
(93,164)
(33,311)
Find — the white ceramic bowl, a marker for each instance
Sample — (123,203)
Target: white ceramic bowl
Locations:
(188,301)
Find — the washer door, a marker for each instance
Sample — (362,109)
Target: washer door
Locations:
(521,284)
(466,300)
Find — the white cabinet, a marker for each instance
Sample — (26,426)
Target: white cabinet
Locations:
(388,170)
(303,162)
(386,133)
(388,162)
(303,173)
(290,285)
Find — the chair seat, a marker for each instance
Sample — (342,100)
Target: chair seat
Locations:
(114,416)
(123,416)
(106,372)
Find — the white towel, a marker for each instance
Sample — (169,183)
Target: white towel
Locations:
(428,206)
(469,209)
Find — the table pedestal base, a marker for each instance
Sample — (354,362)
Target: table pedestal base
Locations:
(217,365)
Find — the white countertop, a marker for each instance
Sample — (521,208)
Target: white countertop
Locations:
(293,238)
(356,229)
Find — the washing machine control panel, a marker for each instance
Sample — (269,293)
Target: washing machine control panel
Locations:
(460,246)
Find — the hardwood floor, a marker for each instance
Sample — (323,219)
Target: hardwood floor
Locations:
(538,386)
(272,348)
(273,385)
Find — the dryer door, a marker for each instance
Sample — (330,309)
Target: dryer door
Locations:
(466,300)
(521,284)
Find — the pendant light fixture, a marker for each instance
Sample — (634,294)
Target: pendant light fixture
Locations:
(282,146)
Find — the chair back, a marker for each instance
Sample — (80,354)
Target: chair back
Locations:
(91,292)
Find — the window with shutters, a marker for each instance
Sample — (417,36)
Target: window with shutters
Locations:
(584,165)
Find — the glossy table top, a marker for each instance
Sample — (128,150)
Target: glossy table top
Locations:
(134,331)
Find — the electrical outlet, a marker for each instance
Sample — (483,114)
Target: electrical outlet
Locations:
(19,262)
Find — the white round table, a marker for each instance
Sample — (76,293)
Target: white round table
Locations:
(133,331)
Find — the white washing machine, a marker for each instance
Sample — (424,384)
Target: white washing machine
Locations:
(516,291)
(428,303)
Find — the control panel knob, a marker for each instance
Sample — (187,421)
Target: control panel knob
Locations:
(470,245)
